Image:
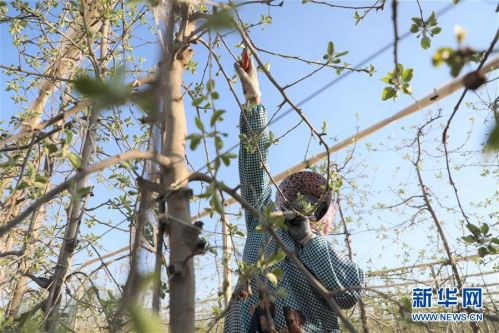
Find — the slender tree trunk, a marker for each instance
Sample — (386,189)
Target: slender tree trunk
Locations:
(183,234)
(12,208)
(75,212)
(21,285)
(159,260)
(38,216)
(131,290)
(91,23)
(227,249)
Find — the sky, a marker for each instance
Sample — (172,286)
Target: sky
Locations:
(351,104)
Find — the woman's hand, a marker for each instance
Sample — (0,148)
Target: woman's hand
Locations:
(299,229)
(249,81)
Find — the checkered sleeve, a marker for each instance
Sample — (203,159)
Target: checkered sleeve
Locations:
(254,150)
(336,273)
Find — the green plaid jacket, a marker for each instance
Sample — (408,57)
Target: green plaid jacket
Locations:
(334,271)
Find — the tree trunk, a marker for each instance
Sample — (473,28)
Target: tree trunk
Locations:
(21,285)
(71,233)
(38,216)
(182,233)
(227,248)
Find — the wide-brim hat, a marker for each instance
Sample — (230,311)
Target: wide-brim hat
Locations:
(310,187)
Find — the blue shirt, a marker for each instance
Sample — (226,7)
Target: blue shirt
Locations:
(333,271)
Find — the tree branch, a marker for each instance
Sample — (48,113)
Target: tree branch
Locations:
(130,155)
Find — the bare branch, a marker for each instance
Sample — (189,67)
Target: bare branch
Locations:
(130,155)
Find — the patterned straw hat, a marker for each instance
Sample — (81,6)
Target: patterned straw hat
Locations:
(306,188)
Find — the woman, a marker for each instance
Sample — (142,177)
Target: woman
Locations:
(257,305)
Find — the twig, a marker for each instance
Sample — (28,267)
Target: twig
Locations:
(447,126)
(396,39)
(130,155)
(377,7)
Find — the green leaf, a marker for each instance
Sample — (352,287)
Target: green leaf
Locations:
(279,273)
(425,42)
(219,20)
(407,89)
(436,30)
(51,148)
(199,124)
(485,228)
(69,137)
(442,55)
(330,48)
(22,185)
(219,143)
(217,115)
(387,79)
(197,101)
(432,20)
(482,252)
(414,28)
(74,159)
(456,68)
(227,157)
(469,239)
(474,229)
(88,86)
(492,143)
(272,278)
(103,93)
(146,101)
(281,292)
(210,84)
(145,322)
(407,75)
(341,54)
(41,181)
(494,240)
(195,140)
(387,93)
(4,8)
(276,258)
(417,21)
(216,204)
(84,191)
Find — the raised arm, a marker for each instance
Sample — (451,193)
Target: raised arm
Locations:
(336,273)
(253,150)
